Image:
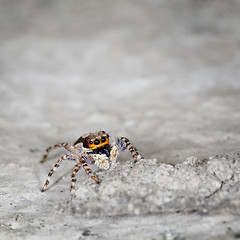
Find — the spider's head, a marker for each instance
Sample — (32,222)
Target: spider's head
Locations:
(94,140)
(97,140)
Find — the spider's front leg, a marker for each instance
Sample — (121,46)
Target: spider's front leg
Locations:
(81,163)
(58,145)
(122,144)
(65,157)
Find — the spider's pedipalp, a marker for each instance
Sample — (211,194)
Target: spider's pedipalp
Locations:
(58,145)
(102,161)
(65,157)
(124,143)
(114,153)
(92,148)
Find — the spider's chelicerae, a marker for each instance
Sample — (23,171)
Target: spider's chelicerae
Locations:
(93,148)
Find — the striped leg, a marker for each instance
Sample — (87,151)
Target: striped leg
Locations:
(88,170)
(65,157)
(81,163)
(123,143)
(58,145)
(74,172)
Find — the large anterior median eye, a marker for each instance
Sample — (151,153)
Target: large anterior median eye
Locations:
(96,142)
(103,139)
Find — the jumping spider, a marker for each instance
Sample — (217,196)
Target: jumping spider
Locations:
(89,149)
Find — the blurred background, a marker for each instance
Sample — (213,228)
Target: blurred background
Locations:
(165,74)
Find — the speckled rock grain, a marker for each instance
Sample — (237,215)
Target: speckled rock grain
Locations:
(151,187)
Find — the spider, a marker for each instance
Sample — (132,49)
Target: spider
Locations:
(92,148)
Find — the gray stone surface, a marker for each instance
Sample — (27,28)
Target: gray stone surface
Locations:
(165,74)
(147,187)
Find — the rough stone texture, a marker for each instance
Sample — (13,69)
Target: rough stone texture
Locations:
(165,74)
(149,187)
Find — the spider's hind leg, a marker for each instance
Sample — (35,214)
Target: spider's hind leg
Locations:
(58,145)
(123,143)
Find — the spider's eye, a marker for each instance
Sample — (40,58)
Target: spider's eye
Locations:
(91,142)
(103,139)
(96,142)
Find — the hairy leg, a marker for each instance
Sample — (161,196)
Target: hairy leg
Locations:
(65,157)
(88,170)
(123,143)
(58,145)
(74,172)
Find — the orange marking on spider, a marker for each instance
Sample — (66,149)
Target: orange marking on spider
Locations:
(92,148)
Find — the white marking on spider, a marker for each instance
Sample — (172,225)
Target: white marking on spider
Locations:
(92,148)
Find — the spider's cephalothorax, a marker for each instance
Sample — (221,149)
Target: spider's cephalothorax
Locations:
(93,148)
